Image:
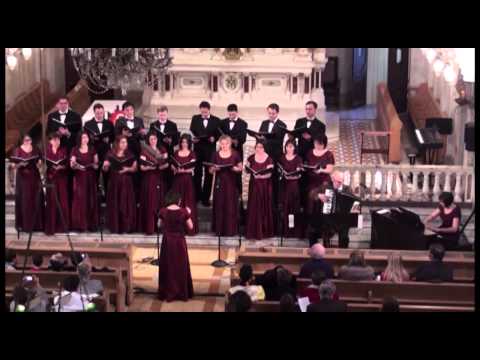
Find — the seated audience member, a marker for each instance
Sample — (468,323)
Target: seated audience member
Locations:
(10,260)
(390,304)
(20,298)
(284,285)
(239,302)
(37,261)
(88,286)
(395,272)
(256,292)
(57,262)
(76,259)
(311,291)
(356,269)
(288,304)
(70,299)
(37,295)
(436,270)
(327,303)
(268,280)
(317,262)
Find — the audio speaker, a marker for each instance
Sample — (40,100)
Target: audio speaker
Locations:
(444,125)
(470,136)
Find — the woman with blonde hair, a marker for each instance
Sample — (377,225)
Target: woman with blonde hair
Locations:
(395,272)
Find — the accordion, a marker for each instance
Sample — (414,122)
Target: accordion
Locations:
(339,202)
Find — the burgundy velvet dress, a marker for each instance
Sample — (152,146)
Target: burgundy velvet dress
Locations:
(289,198)
(27,187)
(183,185)
(226,196)
(315,180)
(84,216)
(259,212)
(121,203)
(152,195)
(59,180)
(175,279)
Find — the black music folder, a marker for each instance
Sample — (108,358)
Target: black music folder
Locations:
(257,135)
(260,172)
(188,165)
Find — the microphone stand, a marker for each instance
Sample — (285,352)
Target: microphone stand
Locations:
(219,263)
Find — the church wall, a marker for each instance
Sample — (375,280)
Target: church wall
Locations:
(27,73)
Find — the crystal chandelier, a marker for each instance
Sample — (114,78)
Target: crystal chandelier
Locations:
(125,68)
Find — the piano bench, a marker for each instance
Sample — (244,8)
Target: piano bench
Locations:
(377,134)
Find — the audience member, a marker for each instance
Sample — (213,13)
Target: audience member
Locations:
(247,279)
(390,304)
(37,261)
(37,295)
(284,285)
(317,262)
(436,270)
(395,272)
(327,303)
(240,301)
(287,303)
(356,269)
(311,291)
(10,260)
(20,298)
(70,299)
(268,281)
(88,286)
(57,262)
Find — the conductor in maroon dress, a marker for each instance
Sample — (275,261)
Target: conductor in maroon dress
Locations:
(84,163)
(121,204)
(225,193)
(322,158)
(175,279)
(183,179)
(27,159)
(57,176)
(259,212)
(289,196)
(153,163)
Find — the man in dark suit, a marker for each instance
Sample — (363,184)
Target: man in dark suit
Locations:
(236,128)
(315,127)
(102,134)
(168,137)
(317,262)
(321,225)
(65,122)
(132,127)
(436,270)
(204,128)
(327,304)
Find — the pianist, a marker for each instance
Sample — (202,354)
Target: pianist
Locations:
(448,232)
(320,224)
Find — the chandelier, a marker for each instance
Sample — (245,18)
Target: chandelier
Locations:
(12,54)
(125,68)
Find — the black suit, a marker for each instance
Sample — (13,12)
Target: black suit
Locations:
(102,144)
(316,128)
(73,122)
(328,305)
(204,151)
(170,127)
(134,140)
(434,271)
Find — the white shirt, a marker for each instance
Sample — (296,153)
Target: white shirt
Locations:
(71,302)
(309,122)
(130,123)
(255,292)
(63,116)
(205,122)
(271,125)
(232,123)
(162,127)
(100,125)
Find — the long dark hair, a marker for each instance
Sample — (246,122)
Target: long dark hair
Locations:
(78,140)
(291,142)
(117,143)
(189,141)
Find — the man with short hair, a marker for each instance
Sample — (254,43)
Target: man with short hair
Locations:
(132,127)
(65,122)
(314,127)
(436,270)
(88,286)
(204,128)
(316,262)
(256,292)
(70,300)
(327,303)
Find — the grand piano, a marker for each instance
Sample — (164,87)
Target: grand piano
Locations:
(397,229)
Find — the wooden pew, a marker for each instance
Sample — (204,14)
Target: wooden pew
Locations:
(113,256)
(388,120)
(49,280)
(274,306)
(463,263)
(421,106)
